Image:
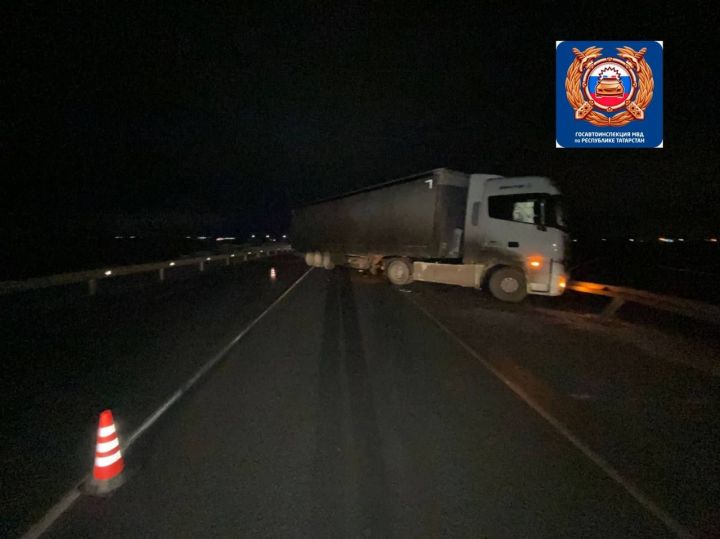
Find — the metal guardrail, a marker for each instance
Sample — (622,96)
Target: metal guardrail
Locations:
(93,276)
(620,295)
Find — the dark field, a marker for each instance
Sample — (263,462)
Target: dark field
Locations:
(687,269)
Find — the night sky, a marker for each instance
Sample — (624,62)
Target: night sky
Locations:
(193,118)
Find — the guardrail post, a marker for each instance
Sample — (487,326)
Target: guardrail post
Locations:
(161,274)
(613,307)
(92,287)
(202,265)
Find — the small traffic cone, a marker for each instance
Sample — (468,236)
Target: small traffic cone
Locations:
(109,463)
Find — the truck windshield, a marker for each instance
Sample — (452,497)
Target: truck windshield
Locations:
(530,208)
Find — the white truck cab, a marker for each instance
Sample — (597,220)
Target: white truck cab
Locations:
(517,221)
(513,242)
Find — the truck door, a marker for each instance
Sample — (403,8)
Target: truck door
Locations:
(517,225)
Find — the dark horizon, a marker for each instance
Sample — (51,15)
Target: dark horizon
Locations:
(218,121)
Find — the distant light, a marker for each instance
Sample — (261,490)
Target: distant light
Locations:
(284,235)
(132,237)
(575,241)
(108,272)
(208,259)
(119,237)
(267,235)
(232,256)
(172,263)
(631,239)
(188,237)
(712,240)
(603,239)
(262,251)
(273,274)
(252,235)
(666,240)
(202,237)
(681,239)
(230,238)
(219,239)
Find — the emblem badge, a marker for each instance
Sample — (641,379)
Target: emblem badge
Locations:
(608,91)
(596,86)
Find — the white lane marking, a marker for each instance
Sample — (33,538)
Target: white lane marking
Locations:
(69,498)
(209,365)
(599,461)
(42,525)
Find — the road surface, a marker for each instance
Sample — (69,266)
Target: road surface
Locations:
(67,356)
(348,413)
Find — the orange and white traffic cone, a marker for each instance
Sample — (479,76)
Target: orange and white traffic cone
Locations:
(109,463)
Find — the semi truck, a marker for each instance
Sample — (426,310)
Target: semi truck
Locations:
(505,234)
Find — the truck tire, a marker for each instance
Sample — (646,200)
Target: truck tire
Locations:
(327,261)
(317,259)
(399,271)
(508,284)
(309,258)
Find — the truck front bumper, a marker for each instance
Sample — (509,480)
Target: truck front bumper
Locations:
(558,282)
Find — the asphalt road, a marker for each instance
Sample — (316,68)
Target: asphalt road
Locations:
(642,390)
(346,412)
(67,356)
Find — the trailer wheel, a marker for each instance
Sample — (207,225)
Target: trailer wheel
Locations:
(317,259)
(399,271)
(508,284)
(309,258)
(327,261)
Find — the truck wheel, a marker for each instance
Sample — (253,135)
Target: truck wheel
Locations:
(327,261)
(508,284)
(317,259)
(309,258)
(399,271)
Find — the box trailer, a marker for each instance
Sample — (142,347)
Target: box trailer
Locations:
(444,226)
